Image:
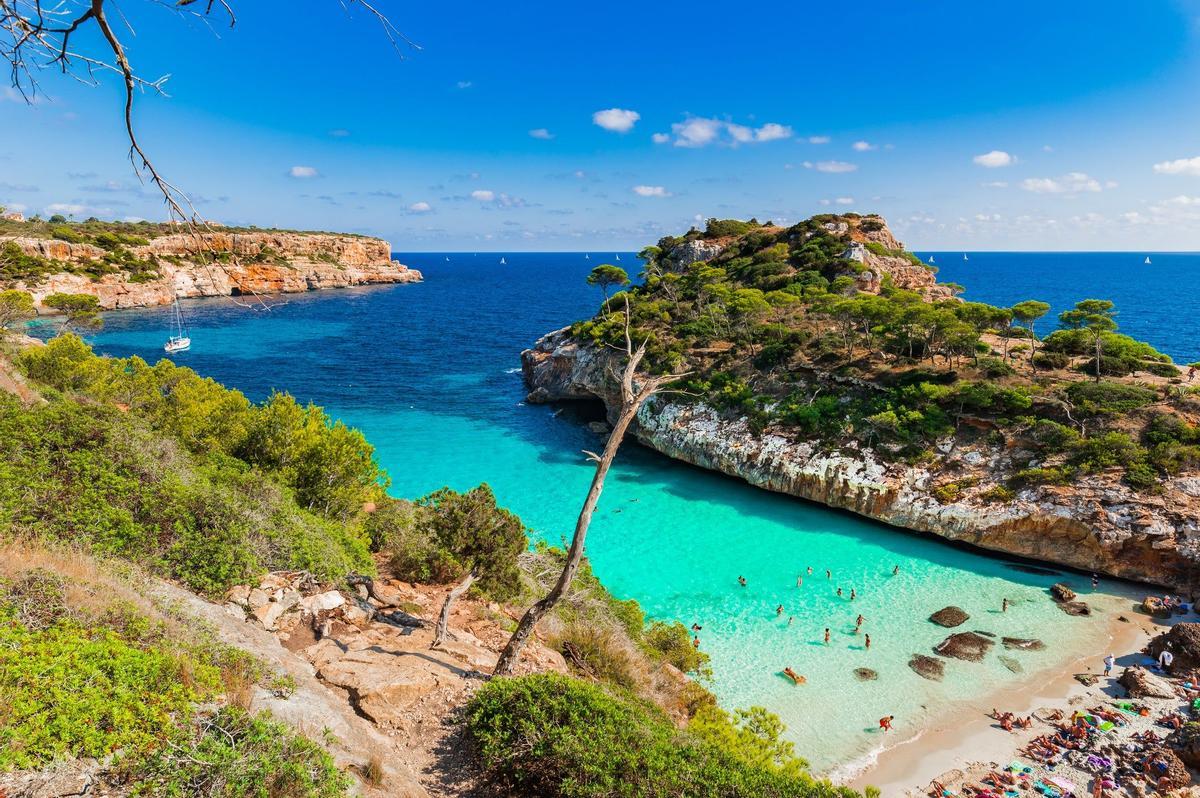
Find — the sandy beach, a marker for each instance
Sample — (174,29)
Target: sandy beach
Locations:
(969,740)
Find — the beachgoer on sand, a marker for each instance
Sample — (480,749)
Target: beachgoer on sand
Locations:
(1108,664)
(1165,659)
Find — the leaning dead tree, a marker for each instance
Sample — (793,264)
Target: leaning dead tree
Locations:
(635,391)
(38,38)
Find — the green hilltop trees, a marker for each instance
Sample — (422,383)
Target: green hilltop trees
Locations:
(15,307)
(605,276)
(81,312)
(1097,317)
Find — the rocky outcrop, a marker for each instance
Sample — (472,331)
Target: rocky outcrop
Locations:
(928,667)
(949,617)
(232,264)
(1141,683)
(693,251)
(1183,641)
(1023,643)
(1097,523)
(970,646)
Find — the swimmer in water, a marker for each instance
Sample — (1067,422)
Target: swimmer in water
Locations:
(839,592)
(742,581)
(896,571)
(867,638)
(779,610)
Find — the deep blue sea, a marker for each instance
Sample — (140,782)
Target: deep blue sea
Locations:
(430,372)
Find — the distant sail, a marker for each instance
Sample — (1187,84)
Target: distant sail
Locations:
(503,262)
(1147,259)
(964,256)
(618,257)
(931,260)
(587,256)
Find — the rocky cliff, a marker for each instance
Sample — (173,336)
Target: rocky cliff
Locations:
(214,264)
(1097,523)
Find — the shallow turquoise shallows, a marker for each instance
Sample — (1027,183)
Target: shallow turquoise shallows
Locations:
(430,373)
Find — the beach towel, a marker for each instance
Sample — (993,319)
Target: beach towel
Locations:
(1107,725)
(1016,766)
(1066,785)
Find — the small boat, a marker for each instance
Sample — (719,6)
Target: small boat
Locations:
(931,260)
(503,262)
(1147,260)
(618,257)
(964,256)
(179,342)
(447,260)
(587,256)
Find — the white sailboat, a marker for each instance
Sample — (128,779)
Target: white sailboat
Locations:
(964,256)
(1147,260)
(931,260)
(503,262)
(587,256)
(180,341)
(618,257)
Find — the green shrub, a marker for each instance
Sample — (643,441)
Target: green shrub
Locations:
(550,735)
(672,643)
(998,494)
(1051,360)
(235,755)
(1109,398)
(995,367)
(69,691)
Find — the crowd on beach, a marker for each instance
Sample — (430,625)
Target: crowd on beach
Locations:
(1102,746)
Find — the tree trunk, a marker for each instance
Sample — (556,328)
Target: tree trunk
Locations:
(444,618)
(512,651)
(1099,350)
(1032,346)
(631,401)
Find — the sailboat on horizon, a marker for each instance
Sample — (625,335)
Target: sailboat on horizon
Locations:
(1147,260)
(618,257)
(931,260)
(503,262)
(964,256)
(180,341)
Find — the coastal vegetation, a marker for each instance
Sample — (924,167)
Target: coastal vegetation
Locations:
(121,471)
(828,330)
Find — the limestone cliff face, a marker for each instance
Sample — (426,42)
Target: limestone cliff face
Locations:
(245,263)
(1096,524)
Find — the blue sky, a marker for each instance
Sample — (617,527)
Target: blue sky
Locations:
(548,126)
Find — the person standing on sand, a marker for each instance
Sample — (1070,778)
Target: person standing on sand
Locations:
(826,635)
(885,724)
(1108,664)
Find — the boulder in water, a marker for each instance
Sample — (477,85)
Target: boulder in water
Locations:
(964,645)
(1061,592)
(949,617)
(1141,683)
(1075,608)
(1184,641)
(928,667)
(1023,643)
(1011,664)
(865,674)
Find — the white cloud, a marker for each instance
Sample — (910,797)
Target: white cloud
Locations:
(580,174)
(541,133)
(699,131)
(1184,200)
(651,191)
(818,139)
(995,184)
(994,159)
(1182,166)
(772,131)
(420,207)
(465,84)
(483,195)
(65,207)
(844,200)
(1070,183)
(303,172)
(618,120)
(831,167)
(660,138)
(862,146)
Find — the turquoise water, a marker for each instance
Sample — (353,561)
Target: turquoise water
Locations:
(429,372)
